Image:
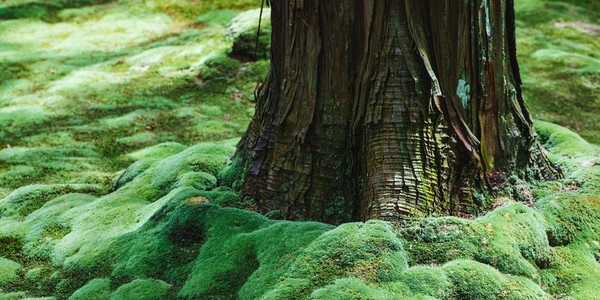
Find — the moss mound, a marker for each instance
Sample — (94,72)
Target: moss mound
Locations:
(160,235)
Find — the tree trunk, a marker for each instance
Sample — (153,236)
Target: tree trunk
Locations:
(388,109)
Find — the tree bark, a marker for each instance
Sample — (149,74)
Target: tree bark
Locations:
(388,109)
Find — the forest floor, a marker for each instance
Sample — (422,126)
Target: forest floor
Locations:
(117,122)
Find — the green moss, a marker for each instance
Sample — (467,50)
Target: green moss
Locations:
(158,151)
(557,57)
(453,238)
(350,288)
(522,288)
(197,180)
(220,17)
(429,281)
(19,118)
(277,246)
(220,66)
(546,188)
(368,251)
(223,196)
(168,241)
(12,296)
(243,30)
(26,200)
(563,141)
(11,248)
(160,177)
(571,217)
(226,237)
(517,243)
(32,164)
(474,280)
(511,238)
(233,174)
(138,73)
(130,70)
(212,251)
(137,140)
(192,10)
(133,171)
(95,289)
(48,225)
(142,289)
(8,270)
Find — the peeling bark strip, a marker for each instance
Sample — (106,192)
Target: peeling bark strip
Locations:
(387,109)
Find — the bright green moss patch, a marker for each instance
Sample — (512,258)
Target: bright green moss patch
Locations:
(133,171)
(474,280)
(511,239)
(26,200)
(142,289)
(95,289)
(158,151)
(427,281)
(571,217)
(211,251)
(8,270)
(233,174)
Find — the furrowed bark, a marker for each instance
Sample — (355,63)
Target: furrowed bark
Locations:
(388,109)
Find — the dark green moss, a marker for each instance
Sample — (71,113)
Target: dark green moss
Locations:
(55,231)
(12,248)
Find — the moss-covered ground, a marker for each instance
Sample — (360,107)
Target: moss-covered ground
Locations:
(117,122)
(559,53)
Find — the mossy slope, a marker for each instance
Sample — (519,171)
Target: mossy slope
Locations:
(159,232)
(558,46)
(89,83)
